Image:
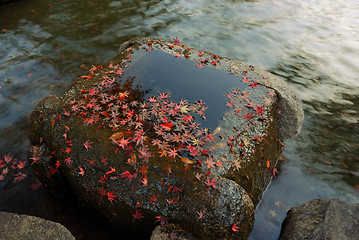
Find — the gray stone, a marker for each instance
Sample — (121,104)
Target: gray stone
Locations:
(291,111)
(319,219)
(15,226)
(140,156)
(170,232)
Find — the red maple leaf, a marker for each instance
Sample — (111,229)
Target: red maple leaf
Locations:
(87,145)
(235,228)
(153,199)
(21,165)
(248,116)
(211,183)
(127,175)
(253,85)
(167,126)
(137,215)
(259,110)
(102,191)
(68,150)
(19,177)
(144,181)
(172,152)
(162,219)
(111,171)
(68,161)
(187,118)
(176,40)
(246,80)
(122,143)
(201,213)
(111,196)
(164,95)
(274,171)
(81,172)
(210,163)
(143,169)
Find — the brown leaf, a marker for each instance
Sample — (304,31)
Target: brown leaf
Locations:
(117,136)
(106,114)
(53,123)
(217,130)
(220,145)
(237,164)
(186,160)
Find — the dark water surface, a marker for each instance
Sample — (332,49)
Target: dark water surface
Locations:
(313,45)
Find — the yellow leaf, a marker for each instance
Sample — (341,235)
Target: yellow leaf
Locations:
(237,165)
(245,142)
(217,130)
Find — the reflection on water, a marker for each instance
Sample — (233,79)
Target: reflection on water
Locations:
(313,45)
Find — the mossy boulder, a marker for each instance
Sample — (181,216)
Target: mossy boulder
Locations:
(163,134)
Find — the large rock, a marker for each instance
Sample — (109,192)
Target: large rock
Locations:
(329,219)
(165,133)
(15,226)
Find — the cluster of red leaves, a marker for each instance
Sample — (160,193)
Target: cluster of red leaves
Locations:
(181,50)
(12,167)
(143,128)
(154,127)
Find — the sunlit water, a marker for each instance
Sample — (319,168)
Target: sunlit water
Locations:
(313,45)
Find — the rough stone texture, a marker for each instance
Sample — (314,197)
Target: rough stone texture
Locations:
(206,173)
(170,232)
(292,115)
(15,226)
(319,219)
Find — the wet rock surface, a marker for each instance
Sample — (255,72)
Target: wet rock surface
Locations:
(15,226)
(322,219)
(163,134)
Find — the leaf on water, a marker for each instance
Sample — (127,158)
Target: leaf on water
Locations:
(186,160)
(220,145)
(273,213)
(217,130)
(117,136)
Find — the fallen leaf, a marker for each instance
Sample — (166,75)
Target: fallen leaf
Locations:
(117,135)
(217,130)
(186,160)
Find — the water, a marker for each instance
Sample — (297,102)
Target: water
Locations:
(313,45)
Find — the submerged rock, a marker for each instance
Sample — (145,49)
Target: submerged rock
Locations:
(322,219)
(163,134)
